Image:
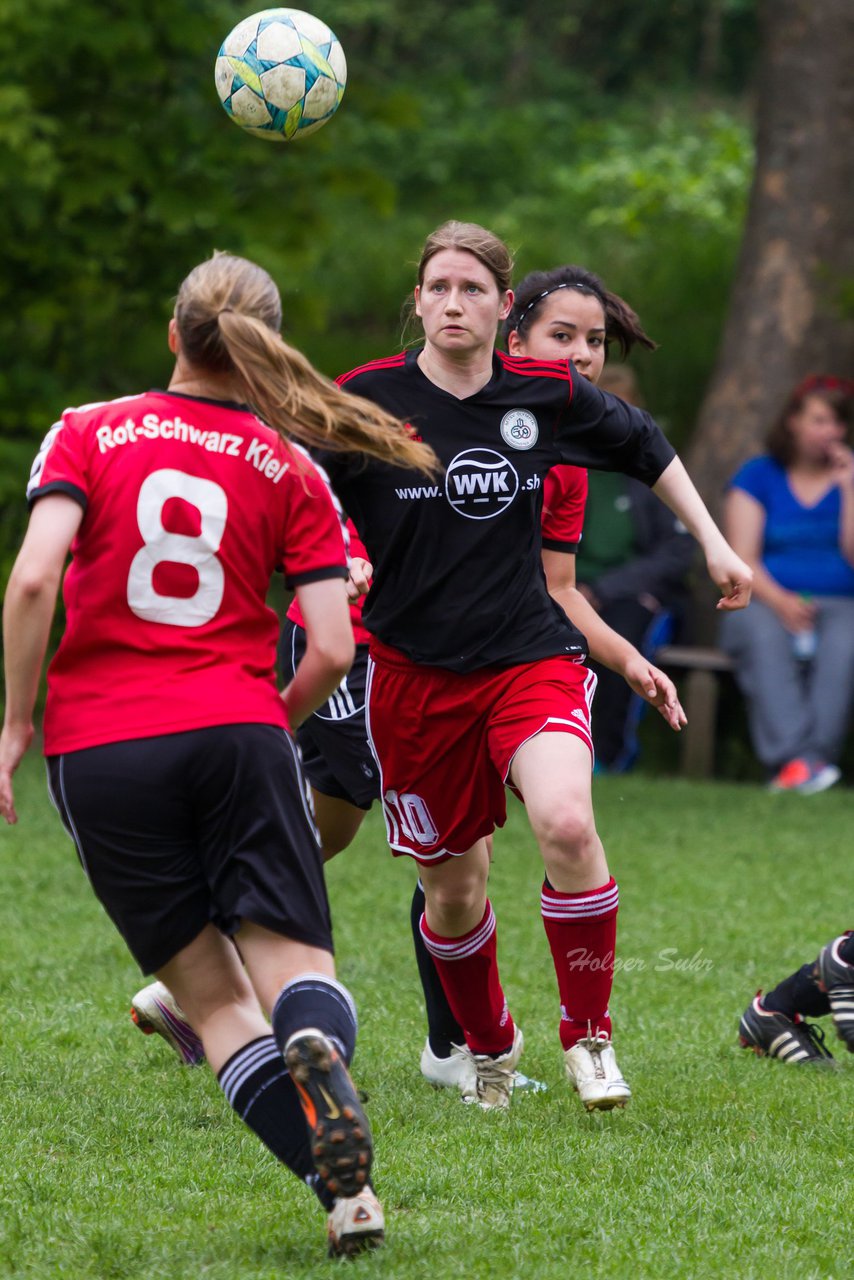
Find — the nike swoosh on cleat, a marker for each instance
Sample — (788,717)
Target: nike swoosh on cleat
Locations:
(334,1111)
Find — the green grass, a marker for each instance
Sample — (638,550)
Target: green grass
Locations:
(116,1162)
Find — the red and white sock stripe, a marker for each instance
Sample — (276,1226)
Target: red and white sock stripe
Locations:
(589,905)
(459,948)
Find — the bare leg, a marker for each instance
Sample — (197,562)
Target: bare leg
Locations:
(272,961)
(553,773)
(579,907)
(456,891)
(338,823)
(214,992)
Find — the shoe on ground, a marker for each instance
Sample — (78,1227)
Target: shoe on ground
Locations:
(836,977)
(591,1068)
(454,1072)
(773,1035)
(804,777)
(341,1144)
(355,1225)
(156,1012)
(495,1078)
(458,1072)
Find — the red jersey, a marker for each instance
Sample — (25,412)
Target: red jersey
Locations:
(190,505)
(564,496)
(358,550)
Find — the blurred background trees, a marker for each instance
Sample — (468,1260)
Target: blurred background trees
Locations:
(791,310)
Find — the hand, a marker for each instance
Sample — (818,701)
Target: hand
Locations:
(657,689)
(795,613)
(14,742)
(841,460)
(359,581)
(732,576)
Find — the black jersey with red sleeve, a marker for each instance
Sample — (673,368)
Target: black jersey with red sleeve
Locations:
(458,580)
(189,506)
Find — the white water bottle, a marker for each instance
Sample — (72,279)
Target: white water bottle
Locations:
(804,643)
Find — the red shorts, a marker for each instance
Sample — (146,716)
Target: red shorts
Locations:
(445,742)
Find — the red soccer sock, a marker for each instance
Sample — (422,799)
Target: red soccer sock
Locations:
(468,968)
(582,929)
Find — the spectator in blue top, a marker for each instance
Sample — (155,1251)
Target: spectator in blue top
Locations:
(790,515)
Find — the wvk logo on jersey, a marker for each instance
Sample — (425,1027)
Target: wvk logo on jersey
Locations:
(519,429)
(480,483)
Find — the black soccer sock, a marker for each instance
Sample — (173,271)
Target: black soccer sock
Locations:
(442,1027)
(799,993)
(313,1000)
(846,949)
(259,1088)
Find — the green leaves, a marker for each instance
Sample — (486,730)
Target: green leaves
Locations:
(119,171)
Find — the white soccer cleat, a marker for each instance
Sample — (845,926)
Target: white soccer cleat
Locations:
(355,1224)
(495,1078)
(155,1010)
(591,1068)
(454,1072)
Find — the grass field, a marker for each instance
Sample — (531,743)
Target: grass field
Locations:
(117,1162)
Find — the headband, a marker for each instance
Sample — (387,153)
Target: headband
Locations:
(568,284)
(821,382)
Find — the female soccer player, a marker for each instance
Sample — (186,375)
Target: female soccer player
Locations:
(167,747)
(562,314)
(477,676)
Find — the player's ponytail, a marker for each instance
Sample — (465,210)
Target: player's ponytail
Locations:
(228,314)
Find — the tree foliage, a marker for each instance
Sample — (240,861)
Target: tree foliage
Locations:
(119,171)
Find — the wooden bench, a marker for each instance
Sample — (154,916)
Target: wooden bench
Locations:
(698,691)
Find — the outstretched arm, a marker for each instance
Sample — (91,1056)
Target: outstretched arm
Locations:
(27,616)
(607,645)
(728,571)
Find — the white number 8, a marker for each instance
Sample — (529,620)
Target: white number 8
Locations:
(160,545)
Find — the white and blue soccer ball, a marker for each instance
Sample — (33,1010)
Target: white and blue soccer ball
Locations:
(281,74)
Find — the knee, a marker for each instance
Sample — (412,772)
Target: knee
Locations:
(456,907)
(568,833)
(457,901)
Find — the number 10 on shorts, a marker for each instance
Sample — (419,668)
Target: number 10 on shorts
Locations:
(408,816)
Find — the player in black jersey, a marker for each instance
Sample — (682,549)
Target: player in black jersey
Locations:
(565,313)
(477,676)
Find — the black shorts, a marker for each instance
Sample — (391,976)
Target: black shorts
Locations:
(209,826)
(336,755)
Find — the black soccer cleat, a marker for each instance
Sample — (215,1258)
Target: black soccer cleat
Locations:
(341,1144)
(773,1035)
(836,976)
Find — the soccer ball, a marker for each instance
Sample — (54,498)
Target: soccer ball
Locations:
(281,74)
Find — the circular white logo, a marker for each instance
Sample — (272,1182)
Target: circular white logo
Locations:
(519,429)
(480,483)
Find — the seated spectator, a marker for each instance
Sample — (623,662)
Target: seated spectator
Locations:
(632,566)
(790,514)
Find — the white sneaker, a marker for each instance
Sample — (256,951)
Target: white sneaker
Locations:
(455,1072)
(591,1068)
(155,1010)
(458,1072)
(355,1224)
(495,1077)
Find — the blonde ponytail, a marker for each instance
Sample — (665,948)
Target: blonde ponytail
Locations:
(228,314)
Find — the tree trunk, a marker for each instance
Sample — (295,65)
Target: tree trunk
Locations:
(790,311)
